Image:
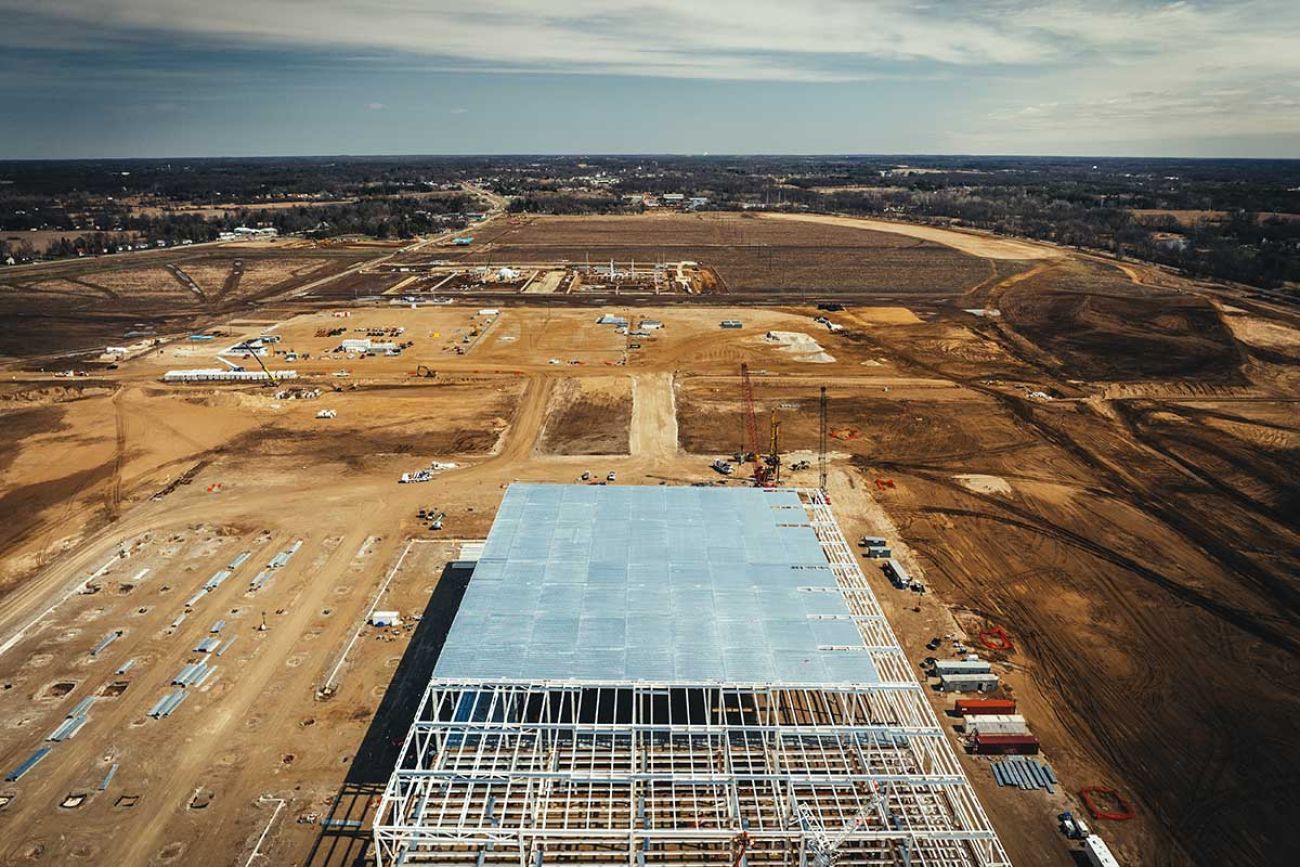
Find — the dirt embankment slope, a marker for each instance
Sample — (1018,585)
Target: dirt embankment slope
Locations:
(984,246)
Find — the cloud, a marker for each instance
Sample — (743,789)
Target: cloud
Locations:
(376,106)
(459,110)
(1019,70)
(742,39)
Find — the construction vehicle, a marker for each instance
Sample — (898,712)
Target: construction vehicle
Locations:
(270,377)
(422,371)
(326,413)
(1072,827)
(773,457)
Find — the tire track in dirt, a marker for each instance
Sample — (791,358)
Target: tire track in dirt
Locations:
(1134,419)
(119,458)
(1242,619)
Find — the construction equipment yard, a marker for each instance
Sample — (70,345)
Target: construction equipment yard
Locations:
(1089,470)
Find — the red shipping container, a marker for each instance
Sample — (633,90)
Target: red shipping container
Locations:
(1005,745)
(984,706)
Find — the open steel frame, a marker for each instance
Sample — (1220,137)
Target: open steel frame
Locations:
(530,772)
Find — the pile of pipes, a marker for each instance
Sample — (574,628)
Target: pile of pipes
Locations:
(1024,773)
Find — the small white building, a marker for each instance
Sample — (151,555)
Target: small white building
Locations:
(355,344)
(385,618)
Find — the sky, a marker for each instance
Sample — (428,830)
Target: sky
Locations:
(158,78)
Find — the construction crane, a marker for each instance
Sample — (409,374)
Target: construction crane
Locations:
(269,375)
(822,844)
(821,447)
(750,451)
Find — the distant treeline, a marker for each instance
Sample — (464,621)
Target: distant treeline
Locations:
(387,217)
(1081,202)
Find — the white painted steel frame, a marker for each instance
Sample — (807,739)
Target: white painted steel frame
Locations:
(534,772)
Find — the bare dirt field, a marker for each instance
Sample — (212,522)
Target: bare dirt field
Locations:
(1105,468)
(750,255)
(67,306)
(588,416)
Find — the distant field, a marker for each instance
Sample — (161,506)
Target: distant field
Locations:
(749,254)
(42,238)
(80,303)
(1191,218)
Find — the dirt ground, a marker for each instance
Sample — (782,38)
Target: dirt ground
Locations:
(1103,467)
(588,416)
(751,255)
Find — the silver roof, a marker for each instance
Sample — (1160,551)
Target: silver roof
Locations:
(657,584)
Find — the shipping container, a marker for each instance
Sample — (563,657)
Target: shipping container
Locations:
(1005,745)
(996,724)
(981,706)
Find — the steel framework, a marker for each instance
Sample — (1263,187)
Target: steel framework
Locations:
(529,772)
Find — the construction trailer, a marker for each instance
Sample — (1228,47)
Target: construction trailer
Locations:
(219,374)
(962,666)
(968,682)
(1098,853)
(655,675)
(996,724)
(896,573)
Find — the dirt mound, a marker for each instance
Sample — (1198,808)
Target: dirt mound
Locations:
(802,346)
(1095,332)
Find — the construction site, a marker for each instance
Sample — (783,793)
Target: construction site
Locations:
(952,552)
(675,675)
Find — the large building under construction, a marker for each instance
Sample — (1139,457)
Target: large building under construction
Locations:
(675,675)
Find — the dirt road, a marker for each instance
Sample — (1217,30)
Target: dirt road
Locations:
(654,416)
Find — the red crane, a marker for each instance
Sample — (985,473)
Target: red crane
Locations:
(751,427)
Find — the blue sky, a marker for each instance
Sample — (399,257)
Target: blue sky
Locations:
(124,78)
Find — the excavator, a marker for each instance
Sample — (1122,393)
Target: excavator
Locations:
(425,372)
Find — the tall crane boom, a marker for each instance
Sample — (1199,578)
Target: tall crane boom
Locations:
(269,375)
(751,426)
(821,448)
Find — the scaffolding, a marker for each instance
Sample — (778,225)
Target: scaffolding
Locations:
(529,772)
